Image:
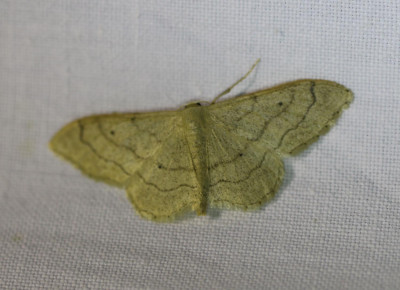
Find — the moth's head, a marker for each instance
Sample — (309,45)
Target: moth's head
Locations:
(196,104)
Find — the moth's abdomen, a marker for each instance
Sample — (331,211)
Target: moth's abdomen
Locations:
(196,132)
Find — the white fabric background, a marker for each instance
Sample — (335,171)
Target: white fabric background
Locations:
(336,220)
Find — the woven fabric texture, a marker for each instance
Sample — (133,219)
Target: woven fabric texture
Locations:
(335,223)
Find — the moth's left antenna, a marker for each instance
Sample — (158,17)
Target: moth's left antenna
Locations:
(232,86)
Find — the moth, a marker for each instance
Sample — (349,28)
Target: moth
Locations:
(225,154)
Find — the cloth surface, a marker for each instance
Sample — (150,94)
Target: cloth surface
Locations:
(335,222)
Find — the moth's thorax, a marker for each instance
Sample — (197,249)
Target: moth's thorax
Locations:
(194,117)
(196,132)
(195,126)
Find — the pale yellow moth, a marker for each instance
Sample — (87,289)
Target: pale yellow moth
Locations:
(224,154)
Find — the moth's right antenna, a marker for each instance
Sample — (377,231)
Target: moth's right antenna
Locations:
(232,86)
